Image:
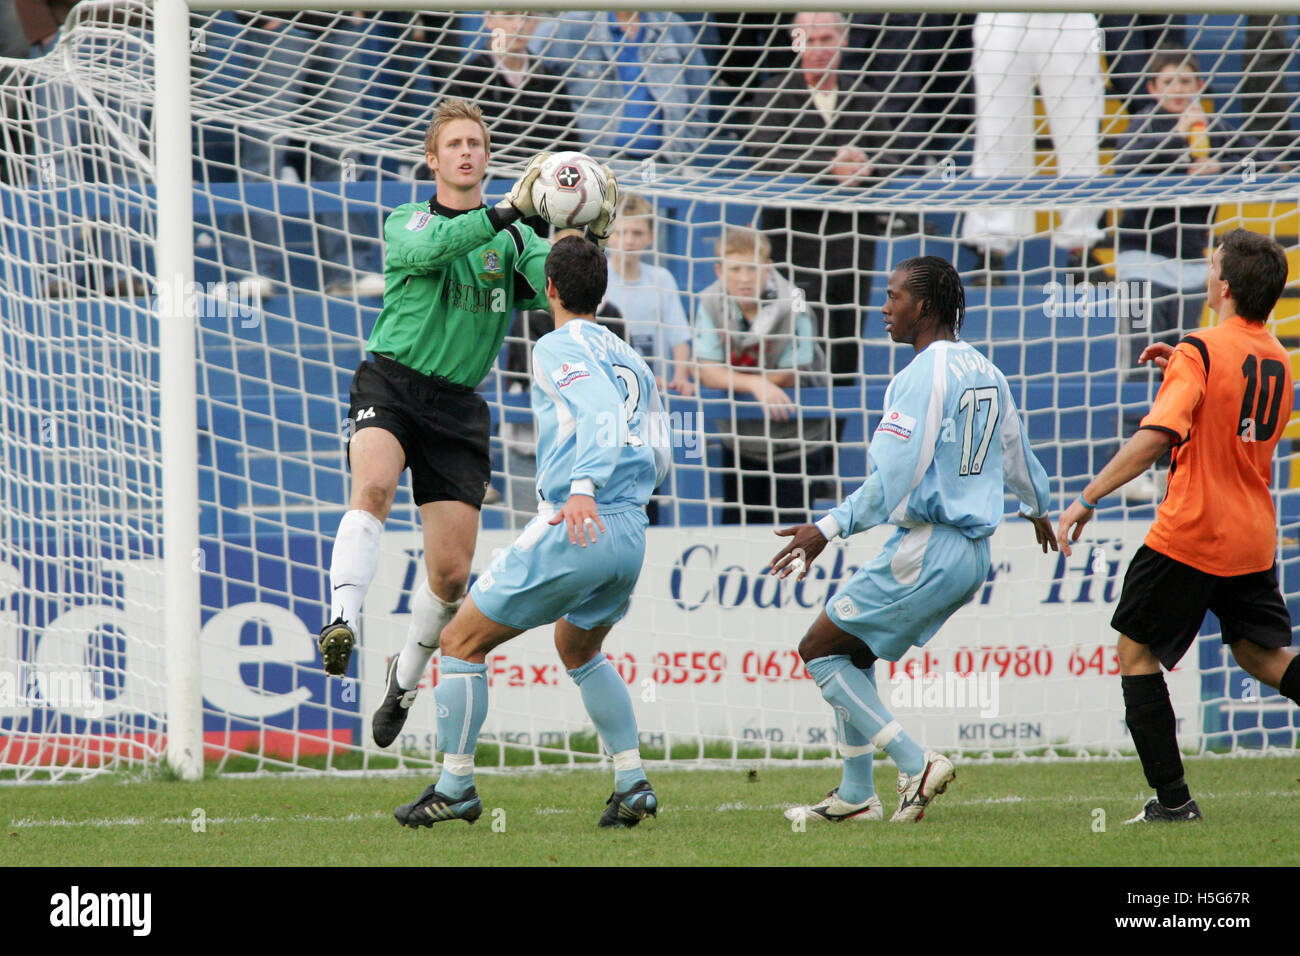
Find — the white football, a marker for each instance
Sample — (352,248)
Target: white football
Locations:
(569,190)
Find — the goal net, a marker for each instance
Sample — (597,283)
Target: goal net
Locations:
(1074,168)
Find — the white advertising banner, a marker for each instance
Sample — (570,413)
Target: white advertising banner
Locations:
(708,648)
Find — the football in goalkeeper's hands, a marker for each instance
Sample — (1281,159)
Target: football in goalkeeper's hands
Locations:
(569,190)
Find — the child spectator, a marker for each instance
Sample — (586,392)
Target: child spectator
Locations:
(1162,250)
(1165,247)
(648,298)
(754,334)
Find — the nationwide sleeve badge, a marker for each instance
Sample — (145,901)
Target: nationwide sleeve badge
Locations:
(897,424)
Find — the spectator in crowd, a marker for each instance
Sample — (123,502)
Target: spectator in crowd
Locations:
(314,65)
(14,44)
(918,65)
(1061,53)
(41,21)
(1166,247)
(754,335)
(523,100)
(897,58)
(65,151)
(16,142)
(1129,40)
(648,298)
(1163,251)
(638,81)
(56,119)
(811,121)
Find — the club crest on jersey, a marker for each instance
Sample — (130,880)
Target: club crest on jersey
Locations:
(570,372)
(845,607)
(418,221)
(491,266)
(897,424)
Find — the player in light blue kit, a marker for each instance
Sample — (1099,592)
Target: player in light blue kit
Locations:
(950,437)
(602,449)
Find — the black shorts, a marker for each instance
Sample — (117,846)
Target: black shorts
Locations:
(1164,601)
(443,428)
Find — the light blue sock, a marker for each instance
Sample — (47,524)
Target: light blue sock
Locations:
(844,686)
(856,784)
(462,701)
(610,708)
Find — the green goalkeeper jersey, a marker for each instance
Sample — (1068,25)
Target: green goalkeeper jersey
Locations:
(451,283)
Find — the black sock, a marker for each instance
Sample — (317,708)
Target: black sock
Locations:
(1151,723)
(1289,685)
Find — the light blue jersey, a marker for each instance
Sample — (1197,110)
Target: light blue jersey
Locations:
(948,442)
(601,431)
(601,428)
(950,438)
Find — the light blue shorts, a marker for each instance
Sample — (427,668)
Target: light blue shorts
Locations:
(904,594)
(543,577)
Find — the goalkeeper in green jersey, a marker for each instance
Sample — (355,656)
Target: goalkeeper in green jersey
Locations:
(455,270)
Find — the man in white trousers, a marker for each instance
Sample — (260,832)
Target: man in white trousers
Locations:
(1060,54)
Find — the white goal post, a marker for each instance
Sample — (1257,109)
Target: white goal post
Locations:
(182,567)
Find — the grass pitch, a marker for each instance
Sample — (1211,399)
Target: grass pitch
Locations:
(999,814)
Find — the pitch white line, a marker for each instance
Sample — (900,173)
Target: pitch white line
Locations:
(28,822)
(1095,799)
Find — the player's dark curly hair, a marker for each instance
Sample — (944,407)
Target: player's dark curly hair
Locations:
(935,283)
(1254,267)
(577,267)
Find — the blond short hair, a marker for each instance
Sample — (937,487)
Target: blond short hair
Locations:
(635,205)
(744,244)
(448,111)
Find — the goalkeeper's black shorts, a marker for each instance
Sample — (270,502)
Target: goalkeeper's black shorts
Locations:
(443,428)
(1164,601)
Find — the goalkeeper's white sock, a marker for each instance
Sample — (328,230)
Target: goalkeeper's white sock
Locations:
(429,615)
(352,566)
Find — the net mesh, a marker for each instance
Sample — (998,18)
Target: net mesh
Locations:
(1048,155)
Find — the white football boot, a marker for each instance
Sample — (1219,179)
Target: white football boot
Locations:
(835,810)
(916,791)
